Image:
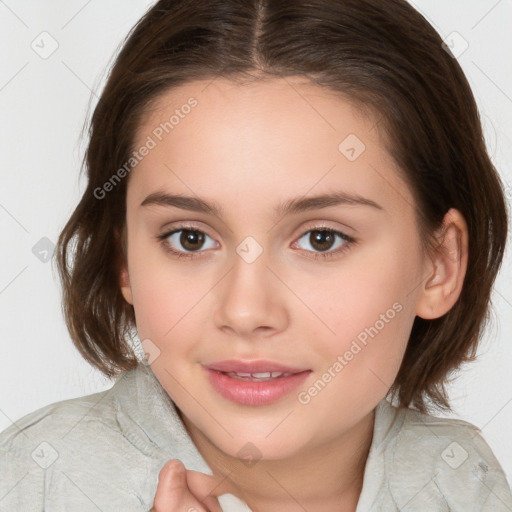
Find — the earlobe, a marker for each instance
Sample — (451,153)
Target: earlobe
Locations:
(124,277)
(447,268)
(126,289)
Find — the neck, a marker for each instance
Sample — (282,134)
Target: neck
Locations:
(321,477)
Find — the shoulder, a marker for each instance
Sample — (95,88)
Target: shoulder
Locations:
(58,420)
(67,449)
(444,462)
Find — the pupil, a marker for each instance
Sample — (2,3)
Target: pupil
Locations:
(191,240)
(321,240)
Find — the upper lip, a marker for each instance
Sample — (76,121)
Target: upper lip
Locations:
(258,366)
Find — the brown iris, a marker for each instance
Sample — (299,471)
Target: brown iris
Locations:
(191,240)
(321,239)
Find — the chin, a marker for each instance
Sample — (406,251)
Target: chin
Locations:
(252,448)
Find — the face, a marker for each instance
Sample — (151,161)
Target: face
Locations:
(330,287)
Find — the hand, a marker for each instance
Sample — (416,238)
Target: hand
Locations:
(182,490)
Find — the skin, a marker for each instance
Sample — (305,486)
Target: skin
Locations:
(247,148)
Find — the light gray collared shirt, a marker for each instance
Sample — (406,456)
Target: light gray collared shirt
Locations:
(103,452)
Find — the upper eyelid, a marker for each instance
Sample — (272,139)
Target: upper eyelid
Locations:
(314,224)
(319,225)
(183,227)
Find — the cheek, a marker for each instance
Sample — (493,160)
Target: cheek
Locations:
(361,360)
(369,309)
(360,294)
(165,295)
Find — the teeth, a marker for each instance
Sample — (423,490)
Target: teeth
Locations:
(257,376)
(266,375)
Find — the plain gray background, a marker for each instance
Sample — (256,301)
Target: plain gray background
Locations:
(44,100)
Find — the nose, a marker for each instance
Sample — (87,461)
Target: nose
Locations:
(250,300)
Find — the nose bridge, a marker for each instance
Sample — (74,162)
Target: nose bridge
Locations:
(249,268)
(249,297)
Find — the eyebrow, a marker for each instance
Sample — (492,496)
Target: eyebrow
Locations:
(292,206)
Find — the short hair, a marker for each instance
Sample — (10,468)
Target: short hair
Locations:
(384,57)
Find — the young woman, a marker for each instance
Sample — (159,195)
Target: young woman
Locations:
(292,205)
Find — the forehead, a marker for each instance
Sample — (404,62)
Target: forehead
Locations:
(273,109)
(259,139)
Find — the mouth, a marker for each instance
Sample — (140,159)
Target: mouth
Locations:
(257,377)
(254,382)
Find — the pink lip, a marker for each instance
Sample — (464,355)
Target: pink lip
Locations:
(247,392)
(234,365)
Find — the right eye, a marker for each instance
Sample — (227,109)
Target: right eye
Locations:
(185,241)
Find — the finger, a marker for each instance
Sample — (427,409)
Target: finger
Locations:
(206,488)
(173,494)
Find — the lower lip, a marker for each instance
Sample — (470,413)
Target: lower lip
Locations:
(247,392)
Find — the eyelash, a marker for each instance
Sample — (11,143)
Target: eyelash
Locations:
(349,241)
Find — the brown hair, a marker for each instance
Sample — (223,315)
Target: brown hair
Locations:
(381,54)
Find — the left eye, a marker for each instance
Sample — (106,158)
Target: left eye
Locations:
(190,239)
(323,240)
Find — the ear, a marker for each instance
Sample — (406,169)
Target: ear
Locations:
(124,277)
(126,289)
(446,268)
